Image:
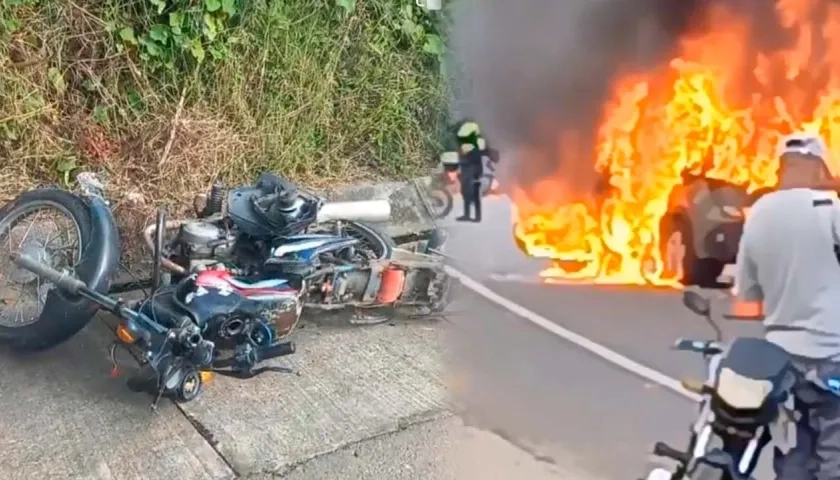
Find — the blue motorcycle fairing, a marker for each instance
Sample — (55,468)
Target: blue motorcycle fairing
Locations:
(242,208)
(305,248)
(833,383)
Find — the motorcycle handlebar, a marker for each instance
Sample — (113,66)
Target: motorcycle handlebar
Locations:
(61,279)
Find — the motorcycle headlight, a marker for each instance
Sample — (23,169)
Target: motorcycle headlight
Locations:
(741,392)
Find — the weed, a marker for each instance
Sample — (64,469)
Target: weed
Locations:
(164,96)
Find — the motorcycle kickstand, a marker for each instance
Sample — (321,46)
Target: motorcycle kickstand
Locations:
(162,389)
(160,393)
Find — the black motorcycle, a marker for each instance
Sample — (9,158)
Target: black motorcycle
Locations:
(745,403)
(441,198)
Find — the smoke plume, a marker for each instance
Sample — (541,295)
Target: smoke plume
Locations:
(528,64)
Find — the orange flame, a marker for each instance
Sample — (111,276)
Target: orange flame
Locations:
(665,121)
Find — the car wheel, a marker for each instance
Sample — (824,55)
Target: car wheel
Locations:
(680,260)
(677,253)
(520,244)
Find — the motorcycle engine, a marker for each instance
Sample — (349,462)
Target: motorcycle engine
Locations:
(199,242)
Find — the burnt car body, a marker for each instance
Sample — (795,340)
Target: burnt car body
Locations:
(700,230)
(705,217)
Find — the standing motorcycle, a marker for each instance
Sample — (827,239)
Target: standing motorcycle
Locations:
(745,403)
(448,181)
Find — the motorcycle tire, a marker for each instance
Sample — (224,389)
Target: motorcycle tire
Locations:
(49,331)
(437,241)
(701,272)
(442,202)
(380,242)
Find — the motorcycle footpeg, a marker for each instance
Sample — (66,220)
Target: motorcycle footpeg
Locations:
(662,449)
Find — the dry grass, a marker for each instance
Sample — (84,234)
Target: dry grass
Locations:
(304,93)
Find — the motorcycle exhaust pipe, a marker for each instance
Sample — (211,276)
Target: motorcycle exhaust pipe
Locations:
(360,211)
(149,238)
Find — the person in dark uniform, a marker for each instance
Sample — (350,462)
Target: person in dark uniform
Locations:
(471,151)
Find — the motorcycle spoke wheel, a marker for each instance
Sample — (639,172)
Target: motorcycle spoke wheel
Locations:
(369,248)
(440,203)
(46,231)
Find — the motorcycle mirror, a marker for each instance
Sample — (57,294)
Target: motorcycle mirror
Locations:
(696,303)
(702,306)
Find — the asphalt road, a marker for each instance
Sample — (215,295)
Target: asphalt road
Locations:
(546,392)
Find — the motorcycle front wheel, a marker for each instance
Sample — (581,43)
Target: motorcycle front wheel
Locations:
(53,226)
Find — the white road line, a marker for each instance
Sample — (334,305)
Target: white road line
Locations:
(611,356)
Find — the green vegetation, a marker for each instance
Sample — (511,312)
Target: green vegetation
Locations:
(164,96)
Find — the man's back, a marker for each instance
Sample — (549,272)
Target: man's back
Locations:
(788,255)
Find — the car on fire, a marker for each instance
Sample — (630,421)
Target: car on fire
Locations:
(700,231)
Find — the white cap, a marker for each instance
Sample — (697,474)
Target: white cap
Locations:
(803,143)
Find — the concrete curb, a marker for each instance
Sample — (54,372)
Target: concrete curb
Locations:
(410,213)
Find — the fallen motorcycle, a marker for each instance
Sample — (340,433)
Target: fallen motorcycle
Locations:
(745,403)
(227,287)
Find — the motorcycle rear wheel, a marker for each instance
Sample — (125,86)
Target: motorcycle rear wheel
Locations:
(442,202)
(36,331)
(377,244)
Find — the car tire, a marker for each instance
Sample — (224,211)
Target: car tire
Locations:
(701,272)
(520,244)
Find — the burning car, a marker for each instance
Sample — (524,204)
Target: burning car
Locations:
(721,98)
(700,232)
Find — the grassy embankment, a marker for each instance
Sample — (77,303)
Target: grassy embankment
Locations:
(162,97)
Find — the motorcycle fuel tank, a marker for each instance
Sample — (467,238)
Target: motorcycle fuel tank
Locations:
(218,295)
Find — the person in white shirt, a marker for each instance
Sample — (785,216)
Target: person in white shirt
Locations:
(788,273)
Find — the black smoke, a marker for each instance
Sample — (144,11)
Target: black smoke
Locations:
(525,61)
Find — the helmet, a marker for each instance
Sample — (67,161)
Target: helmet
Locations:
(467,129)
